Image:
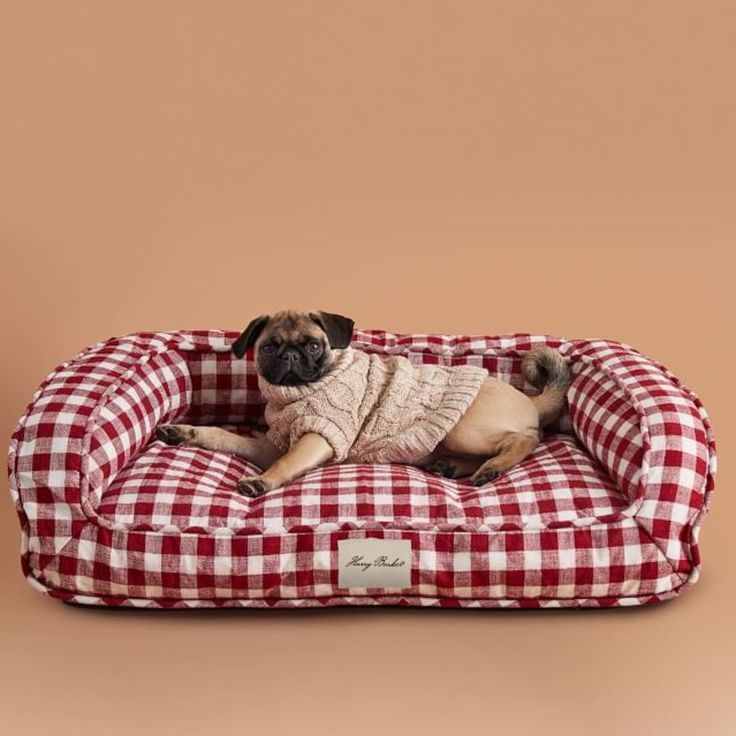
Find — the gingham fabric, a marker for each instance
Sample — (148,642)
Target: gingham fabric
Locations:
(605,512)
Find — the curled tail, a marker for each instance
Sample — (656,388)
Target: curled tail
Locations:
(546,369)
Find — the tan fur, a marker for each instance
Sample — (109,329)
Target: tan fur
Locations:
(257,450)
(290,326)
(500,428)
(311,451)
(502,424)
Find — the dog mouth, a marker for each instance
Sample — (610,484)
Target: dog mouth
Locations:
(290,378)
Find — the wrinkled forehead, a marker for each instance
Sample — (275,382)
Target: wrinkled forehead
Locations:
(292,327)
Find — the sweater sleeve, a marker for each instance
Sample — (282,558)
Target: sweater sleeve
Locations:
(340,438)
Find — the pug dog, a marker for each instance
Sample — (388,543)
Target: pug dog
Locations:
(327,402)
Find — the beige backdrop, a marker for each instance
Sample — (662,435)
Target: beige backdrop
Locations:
(455,167)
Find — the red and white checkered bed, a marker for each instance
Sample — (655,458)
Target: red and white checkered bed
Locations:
(605,512)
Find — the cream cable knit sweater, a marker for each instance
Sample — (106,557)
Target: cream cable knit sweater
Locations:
(373,408)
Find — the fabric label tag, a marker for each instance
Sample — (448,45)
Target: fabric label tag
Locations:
(374,563)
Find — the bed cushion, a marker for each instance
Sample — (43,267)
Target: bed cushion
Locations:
(192,489)
(605,512)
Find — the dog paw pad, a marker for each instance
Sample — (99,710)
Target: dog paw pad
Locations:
(442,468)
(172,434)
(484,476)
(251,487)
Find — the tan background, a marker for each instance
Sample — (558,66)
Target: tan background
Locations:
(479,167)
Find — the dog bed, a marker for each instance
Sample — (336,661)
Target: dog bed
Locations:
(605,512)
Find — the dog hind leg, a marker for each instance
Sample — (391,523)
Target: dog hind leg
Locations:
(513,447)
(454,466)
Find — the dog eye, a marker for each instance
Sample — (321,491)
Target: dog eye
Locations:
(314,346)
(268,347)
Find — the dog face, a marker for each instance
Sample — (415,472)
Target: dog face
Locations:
(294,348)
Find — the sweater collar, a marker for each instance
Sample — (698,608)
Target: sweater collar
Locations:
(342,360)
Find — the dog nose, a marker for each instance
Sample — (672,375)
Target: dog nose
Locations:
(291,356)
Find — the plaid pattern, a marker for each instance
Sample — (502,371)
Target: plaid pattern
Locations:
(606,516)
(654,438)
(192,490)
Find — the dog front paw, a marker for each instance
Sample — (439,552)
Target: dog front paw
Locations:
(251,486)
(175,434)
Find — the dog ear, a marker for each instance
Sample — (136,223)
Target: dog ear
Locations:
(249,335)
(339,329)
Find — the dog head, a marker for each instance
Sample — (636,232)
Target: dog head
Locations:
(294,348)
